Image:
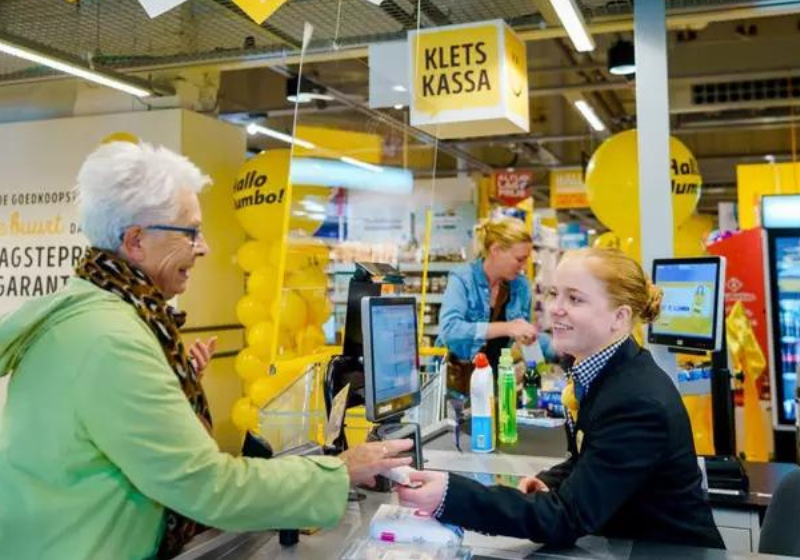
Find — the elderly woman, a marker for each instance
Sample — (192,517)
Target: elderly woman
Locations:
(105,449)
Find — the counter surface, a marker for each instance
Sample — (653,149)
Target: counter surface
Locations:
(537,448)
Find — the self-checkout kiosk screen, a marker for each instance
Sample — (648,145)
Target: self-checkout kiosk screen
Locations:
(689,299)
(394,351)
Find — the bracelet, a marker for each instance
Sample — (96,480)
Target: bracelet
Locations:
(440,509)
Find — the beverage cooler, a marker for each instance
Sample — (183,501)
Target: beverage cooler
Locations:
(781,222)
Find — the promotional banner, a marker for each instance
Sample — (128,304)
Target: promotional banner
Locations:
(512,187)
(468,80)
(745,278)
(567,189)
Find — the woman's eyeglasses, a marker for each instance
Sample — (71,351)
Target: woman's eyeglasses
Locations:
(193,234)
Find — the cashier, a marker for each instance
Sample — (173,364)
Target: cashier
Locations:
(106,447)
(632,471)
(487,303)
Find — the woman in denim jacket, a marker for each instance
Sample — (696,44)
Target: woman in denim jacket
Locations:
(494,279)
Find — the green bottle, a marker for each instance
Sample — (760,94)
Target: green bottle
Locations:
(507,385)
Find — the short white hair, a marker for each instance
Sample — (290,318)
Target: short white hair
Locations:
(122,184)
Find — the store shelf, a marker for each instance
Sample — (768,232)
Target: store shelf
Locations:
(430,298)
(790,339)
(349,268)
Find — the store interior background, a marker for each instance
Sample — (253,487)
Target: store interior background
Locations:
(734,86)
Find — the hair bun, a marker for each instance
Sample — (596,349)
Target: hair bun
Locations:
(652,309)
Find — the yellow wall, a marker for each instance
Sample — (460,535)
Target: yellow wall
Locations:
(754,181)
(217,283)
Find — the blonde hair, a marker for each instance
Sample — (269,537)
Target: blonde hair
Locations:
(504,231)
(625,281)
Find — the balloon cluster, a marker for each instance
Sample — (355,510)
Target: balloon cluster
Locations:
(280,323)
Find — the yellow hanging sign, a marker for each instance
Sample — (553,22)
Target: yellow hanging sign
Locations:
(469,80)
(259,10)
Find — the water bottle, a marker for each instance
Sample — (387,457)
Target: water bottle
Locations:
(507,387)
(481,396)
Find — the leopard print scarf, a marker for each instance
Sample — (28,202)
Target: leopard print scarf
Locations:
(110,272)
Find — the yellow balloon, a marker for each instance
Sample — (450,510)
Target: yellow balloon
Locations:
(607,240)
(260,193)
(244,415)
(254,255)
(320,310)
(260,391)
(250,311)
(248,365)
(293,313)
(310,339)
(263,284)
(307,279)
(121,136)
(259,337)
(612,183)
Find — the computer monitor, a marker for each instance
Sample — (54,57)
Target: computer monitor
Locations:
(391,356)
(692,310)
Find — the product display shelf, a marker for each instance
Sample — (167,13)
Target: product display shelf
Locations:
(340,273)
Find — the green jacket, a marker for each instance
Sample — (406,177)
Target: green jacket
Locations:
(97,438)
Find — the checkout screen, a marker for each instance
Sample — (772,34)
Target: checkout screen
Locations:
(394,351)
(689,298)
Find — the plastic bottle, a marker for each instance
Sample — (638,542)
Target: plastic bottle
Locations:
(507,387)
(481,396)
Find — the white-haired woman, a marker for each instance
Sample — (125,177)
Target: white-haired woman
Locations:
(105,450)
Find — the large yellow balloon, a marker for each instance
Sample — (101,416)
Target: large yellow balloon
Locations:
(263,284)
(244,415)
(612,183)
(255,254)
(250,311)
(258,338)
(248,365)
(260,193)
(293,313)
(260,391)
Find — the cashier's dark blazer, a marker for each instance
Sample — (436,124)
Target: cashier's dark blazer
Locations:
(632,473)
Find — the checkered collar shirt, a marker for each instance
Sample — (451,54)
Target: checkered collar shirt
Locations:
(586,371)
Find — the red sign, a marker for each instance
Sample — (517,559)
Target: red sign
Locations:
(512,187)
(745,281)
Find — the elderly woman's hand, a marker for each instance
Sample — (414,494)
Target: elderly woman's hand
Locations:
(201,353)
(364,461)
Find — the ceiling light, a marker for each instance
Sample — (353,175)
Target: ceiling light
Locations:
(376,2)
(399,89)
(362,164)
(590,116)
(253,129)
(38,55)
(572,20)
(399,106)
(621,58)
(305,91)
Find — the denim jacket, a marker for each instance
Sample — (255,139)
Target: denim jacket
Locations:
(464,317)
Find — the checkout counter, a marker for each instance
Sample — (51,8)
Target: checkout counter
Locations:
(537,448)
(380,366)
